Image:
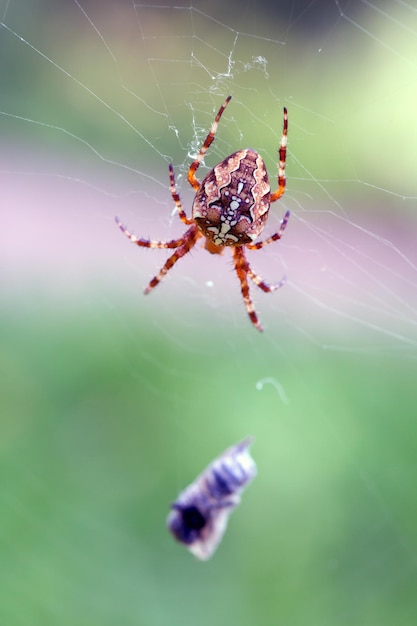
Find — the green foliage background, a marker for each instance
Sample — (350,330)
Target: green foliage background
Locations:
(98,438)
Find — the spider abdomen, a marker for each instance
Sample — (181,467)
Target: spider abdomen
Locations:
(232,204)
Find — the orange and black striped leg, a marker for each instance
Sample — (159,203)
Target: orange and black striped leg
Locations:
(242,271)
(259,282)
(272,238)
(188,242)
(149,243)
(176,198)
(207,143)
(282,158)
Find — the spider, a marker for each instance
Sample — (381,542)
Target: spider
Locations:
(230,209)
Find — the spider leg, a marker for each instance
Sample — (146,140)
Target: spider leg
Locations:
(259,282)
(242,270)
(282,157)
(186,243)
(207,143)
(176,198)
(272,238)
(149,243)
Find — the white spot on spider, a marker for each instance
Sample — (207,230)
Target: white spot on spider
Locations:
(240,187)
(234,204)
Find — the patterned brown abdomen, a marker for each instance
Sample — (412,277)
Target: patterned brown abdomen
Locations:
(231,206)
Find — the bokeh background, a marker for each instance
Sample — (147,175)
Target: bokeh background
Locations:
(111,403)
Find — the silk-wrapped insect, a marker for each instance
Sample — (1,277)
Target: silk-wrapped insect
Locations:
(200,514)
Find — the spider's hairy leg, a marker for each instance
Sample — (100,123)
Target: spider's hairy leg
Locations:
(242,270)
(272,238)
(259,282)
(282,158)
(149,243)
(206,145)
(188,241)
(176,197)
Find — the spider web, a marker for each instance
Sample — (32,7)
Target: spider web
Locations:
(117,400)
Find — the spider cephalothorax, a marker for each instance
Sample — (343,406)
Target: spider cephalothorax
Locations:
(230,209)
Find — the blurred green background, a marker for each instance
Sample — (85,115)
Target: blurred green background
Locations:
(111,403)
